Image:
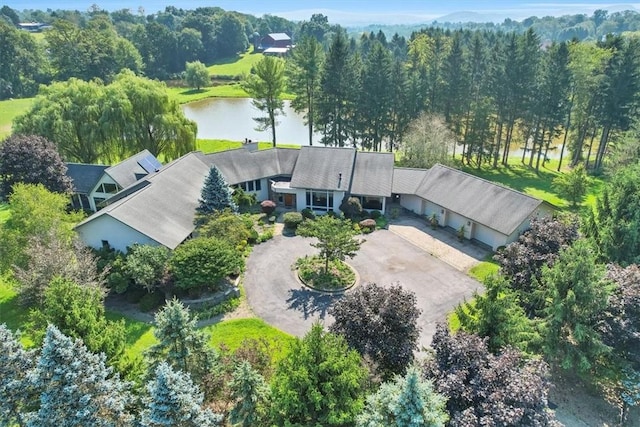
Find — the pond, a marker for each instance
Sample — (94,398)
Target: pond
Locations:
(232,119)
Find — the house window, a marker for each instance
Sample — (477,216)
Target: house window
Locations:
(320,200)
(108,188)
(98,202)
(251,185)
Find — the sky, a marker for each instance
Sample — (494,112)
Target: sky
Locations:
(348,12)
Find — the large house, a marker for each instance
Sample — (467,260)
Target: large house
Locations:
(159,207)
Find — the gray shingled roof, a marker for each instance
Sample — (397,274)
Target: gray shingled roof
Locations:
(84,176)
(407,180)
(164,209)
(324,168)
(372,174)
(128,171)
(484,202)
(279,36)
(241,165)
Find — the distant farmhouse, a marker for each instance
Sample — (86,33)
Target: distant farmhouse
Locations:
(140,201)
(33,27)
(276,44)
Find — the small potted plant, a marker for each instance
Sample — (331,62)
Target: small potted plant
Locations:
(433,221)
(461,233)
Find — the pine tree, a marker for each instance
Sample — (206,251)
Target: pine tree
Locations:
(15,362)
(180,343)
(175,401)
(75,387)
(216,194)
(251,392)
(406,401)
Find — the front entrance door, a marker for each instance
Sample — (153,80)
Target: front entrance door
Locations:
(289,200)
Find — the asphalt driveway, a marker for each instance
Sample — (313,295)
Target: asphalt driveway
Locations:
(275,294)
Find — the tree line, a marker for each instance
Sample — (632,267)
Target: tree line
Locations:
(496,91)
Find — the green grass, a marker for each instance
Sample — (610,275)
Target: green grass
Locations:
(235,66)
(217,145)
(523,178)
(9,110)
(5,212)
(185,95)
(232,332)
(11,313)
(484,269)
(138,335)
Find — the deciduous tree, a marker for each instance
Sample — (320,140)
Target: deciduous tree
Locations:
(381,324)
(428,141)
(147,265)
(335,238)
(319,382)
(32,160)
(573,185)
(196,75)
(485,389)
(265,85)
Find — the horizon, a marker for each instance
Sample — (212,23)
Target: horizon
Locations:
(349,12)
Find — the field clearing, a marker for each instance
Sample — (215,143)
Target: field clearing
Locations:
(235,66)
(9,110)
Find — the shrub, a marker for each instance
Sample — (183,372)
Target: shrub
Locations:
(307,213)
(375,214)
(204,262)
(150,302)
(351,207)
(146,265)
(228,226)
(267,235)
(243,199)
(268,206)
(292,220)
(367,225)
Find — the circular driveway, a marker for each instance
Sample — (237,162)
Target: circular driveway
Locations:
(275,295)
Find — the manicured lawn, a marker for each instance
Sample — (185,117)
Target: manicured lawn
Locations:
(484,269)
(216,145)
(9,110)
(11,313)
(235,66)
(232,332)
(185,95)
(139,335)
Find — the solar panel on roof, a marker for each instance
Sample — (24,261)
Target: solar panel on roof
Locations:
(150,164)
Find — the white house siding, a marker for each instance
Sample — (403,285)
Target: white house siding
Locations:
(488,236)
(118,234)
(411,202)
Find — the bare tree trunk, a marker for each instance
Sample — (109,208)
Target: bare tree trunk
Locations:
(498,141)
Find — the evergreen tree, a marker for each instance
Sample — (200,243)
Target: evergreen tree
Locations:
(407,401)
(251,392)
(216,194)
(175,401)
(332,108)
(180,343)
(319,382)
(577,295)
(265,85)
(497,315)
(74,387)
(305,68)
(15,363)
(375,100)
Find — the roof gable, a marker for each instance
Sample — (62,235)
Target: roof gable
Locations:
(129,170)
(241,165)
(84,176)
(324,168)
(163,207)
(372,174)
(279,36)
(407,180)
(484,202)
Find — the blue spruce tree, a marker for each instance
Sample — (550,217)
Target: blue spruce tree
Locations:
(15,362)
(216,194)
(175,401)
(75,387)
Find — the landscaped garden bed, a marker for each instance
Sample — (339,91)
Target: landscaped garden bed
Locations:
(339,276)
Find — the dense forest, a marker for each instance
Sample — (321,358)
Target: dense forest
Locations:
(495,89)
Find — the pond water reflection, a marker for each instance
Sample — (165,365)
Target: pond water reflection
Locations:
(232,119)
